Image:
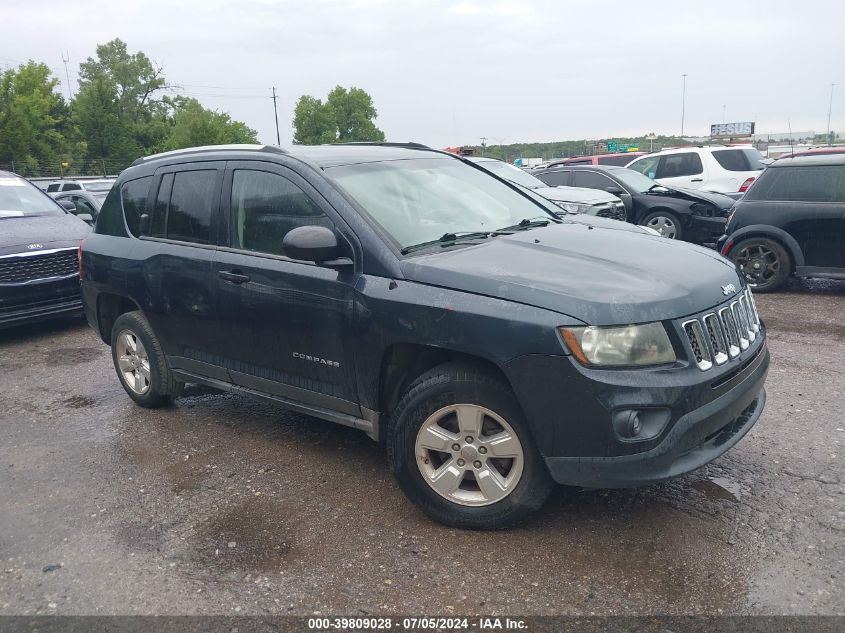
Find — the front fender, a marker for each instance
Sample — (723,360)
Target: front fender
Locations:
(766,230)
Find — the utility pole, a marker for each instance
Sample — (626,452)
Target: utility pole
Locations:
(723,114)
(483,144)
(276,113)
(829,111)
(683,103)
(66,59)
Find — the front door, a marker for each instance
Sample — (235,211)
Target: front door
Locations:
(285,323)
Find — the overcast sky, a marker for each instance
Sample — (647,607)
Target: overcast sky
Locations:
(448,73)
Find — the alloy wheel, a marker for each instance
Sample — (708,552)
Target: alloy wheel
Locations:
(758,263)
(469,455)
(133,362)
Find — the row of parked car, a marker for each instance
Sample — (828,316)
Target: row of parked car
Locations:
(497,331)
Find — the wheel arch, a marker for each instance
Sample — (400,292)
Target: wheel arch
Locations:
(771,232)
(683,218)
(109,307)
(402,363)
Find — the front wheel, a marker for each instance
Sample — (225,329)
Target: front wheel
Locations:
(462,452)
(764,263)
(665,223)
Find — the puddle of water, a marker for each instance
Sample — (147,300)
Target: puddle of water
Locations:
(719,489)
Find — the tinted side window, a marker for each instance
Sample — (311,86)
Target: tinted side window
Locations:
(191,203)
(555,178)
(53,187)
(71,187)
(801,184)
(592,180)
(134,196)
(619,161)
(732,159)
(158,226)
(647,166)
(265,207)
(683,164)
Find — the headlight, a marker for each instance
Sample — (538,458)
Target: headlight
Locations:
(627,346)
(572,207)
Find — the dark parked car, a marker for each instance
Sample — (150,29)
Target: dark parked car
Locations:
(39,242)
(791,221)
(681,214)
(85,203)
(494,347)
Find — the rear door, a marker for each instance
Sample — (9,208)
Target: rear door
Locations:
(681,169)
(177,252)
(286,323)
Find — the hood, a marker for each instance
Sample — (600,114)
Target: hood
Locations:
(598,275)
(576,194)
(696,195)
(607,223)
(50,231)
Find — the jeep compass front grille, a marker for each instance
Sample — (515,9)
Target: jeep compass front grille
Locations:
(26,267)
(721,335)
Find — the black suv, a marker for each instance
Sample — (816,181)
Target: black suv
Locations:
(411,294)
(791,221)
(679,214)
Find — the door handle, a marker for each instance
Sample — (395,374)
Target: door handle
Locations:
(234,276)
(697,180)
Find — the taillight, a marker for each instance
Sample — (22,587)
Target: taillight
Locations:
(746,184)
(79,257)
(727,247)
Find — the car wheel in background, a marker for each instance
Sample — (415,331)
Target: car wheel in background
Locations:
(764,262)
(461,451)
(665,223)
(140,363)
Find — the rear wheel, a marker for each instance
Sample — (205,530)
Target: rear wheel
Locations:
(665,223)
(140,363)
(462,452)
(764,262)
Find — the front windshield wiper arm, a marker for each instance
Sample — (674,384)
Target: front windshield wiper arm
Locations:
(522,225)
(447,239)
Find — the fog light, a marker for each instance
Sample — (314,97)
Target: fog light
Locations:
(627,423)
(638,425)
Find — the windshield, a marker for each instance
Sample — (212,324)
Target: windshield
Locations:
(98,185)
(420,200)
(511,173)
(635,180)
(19,198)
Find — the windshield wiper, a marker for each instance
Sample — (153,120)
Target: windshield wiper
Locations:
(447,239)
(527,223)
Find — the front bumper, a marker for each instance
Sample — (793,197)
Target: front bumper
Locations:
(39,300)
(705,230)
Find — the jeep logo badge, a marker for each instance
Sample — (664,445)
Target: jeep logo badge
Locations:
(728,290)
(34,246)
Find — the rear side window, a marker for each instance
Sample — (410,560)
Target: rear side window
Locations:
(677,165)
(134,196)
(800,184)
(555,178)
(53,187)
(71,187)
(646,166)
(188,215)
(265,207)
(738,159)
(592,180)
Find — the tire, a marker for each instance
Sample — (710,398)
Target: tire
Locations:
(664,222)
(144,374)
(519,486)
(765,263)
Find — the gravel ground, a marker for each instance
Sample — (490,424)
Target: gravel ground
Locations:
(222,505)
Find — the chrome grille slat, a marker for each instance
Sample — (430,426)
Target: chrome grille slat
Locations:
(29,267)
(722,334)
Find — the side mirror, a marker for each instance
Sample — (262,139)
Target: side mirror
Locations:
(311,244)
(67,205)
(614,190)
(85,217)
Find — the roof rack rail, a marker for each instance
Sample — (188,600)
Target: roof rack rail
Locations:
(251,147)
(409,144)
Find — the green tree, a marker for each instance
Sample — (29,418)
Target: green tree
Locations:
(34,130)
(346,116)
(190,124)
(116,109)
